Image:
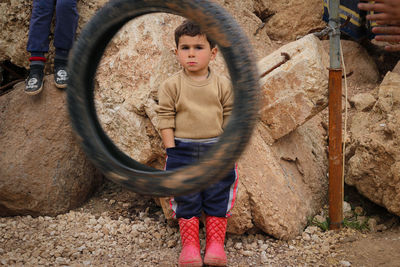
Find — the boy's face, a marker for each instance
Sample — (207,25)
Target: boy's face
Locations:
(194,53)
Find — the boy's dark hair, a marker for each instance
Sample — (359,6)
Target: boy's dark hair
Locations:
(191,29)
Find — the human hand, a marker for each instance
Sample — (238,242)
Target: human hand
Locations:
(389,34)
(388,15)
(387,10)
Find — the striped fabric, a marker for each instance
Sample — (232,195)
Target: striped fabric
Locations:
(358,27)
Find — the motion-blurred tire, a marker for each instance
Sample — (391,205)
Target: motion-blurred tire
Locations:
(115,164)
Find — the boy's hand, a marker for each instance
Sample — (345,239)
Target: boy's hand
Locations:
(388,14)
(167,136)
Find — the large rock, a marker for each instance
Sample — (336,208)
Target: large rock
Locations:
(286,183)
(374,151)
(293,18)
(43,170)
(360,66)
(15,17)
(296,89)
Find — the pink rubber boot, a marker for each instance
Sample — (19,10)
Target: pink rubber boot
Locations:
(190,254)
(215,236)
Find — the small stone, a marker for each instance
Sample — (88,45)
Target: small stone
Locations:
(372,224)
(306,237)
(238,245)
(311,229)
(346,207)
(247,253)
(381,227)
(263,257)
(171,243)
(359,211)
(319,219)
(112,201)
(345,263)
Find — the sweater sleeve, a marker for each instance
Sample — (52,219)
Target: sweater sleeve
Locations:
(226,100)
(166,106)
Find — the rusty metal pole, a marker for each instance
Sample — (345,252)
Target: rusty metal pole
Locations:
(335,120)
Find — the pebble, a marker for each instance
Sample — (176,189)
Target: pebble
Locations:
(247,253)
(345,263)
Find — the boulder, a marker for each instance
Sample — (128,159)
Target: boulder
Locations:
(294,83)
(135,63)
(361,68)
(374,150)
(286,183)
(363,101)
(292,19)
(14,24)
(396,68)
(43,170)
(15,18)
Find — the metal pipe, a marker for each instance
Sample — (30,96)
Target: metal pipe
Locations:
(335,120)
(334,34)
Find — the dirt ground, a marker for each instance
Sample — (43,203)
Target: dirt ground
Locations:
(372,249)
(360,248)
(375,249)
(117,227)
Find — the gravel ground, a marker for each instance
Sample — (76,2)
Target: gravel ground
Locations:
(121,228)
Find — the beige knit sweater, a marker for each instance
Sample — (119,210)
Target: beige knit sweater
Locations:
(195,109)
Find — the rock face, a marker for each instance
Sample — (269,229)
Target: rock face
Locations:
(285,183)
(293,18)
(296,90)
(43,170)
(285,20)
(374,157)
(360,67)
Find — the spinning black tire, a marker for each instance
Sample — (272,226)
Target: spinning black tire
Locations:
(118,166)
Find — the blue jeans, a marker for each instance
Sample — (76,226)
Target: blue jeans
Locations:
(216,200)
(65,28)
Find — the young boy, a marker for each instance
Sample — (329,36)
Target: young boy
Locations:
(194,106)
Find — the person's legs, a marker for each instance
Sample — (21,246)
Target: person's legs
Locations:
(66,24)
(218,200)
(186,208)
(64,35)
(39,27)
(38,44)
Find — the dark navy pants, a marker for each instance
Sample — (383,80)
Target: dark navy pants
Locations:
(216,200)
(39,28)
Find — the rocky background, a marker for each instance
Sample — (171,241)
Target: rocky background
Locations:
(283,172)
